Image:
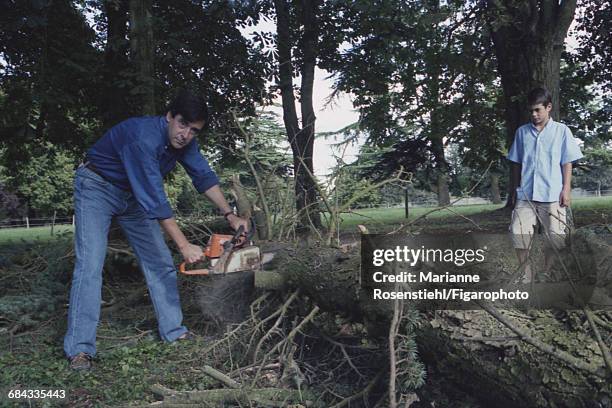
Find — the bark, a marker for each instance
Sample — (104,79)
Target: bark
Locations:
(495,195)
(441,172)
(471,351)
(437,130)
(243,203)
(300,139)
(143,50)
(528,38)
(115,62)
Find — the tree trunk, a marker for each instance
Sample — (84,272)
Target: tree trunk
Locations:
(114,102)
(443,192)
(143,50)
(528,38)
(437,129)
(469,350)
(300,139)
(306,137)
(437,149)
(495,195)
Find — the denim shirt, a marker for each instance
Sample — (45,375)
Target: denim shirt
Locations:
(136,154)
(542,156)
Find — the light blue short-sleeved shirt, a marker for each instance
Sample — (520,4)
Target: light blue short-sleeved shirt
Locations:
(541,156)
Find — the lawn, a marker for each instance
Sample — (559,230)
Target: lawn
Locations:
(11,235)
(585,210)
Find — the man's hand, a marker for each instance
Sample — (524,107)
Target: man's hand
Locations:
(191,253)
(235,222)
(565,197)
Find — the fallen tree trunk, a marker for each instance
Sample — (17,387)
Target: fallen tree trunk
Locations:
(556,360)
(270,397)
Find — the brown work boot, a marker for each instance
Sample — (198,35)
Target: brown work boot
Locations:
(80,362)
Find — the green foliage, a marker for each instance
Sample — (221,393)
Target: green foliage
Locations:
(45,271)
(348,184)
(411,67)
(64,81)
(262,141)
(593,32)
(596,174)
(9,203)
(199,45)
(48,82)
(588,113)
(45,182)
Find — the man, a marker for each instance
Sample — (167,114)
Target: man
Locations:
(122,177)
(541,154)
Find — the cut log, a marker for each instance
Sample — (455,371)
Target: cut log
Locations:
(472,350)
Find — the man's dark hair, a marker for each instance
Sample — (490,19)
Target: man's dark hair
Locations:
(190,106)
(539,95)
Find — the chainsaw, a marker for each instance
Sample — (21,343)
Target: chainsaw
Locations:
(228,254)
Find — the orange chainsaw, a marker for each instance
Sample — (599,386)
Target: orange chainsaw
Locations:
(228,254)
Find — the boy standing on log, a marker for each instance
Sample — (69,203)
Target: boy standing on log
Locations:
(541,154)
(122,177)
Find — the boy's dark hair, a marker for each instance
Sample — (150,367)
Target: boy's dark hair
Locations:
(190,106)
(539,95)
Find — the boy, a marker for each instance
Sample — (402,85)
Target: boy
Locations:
(541,154)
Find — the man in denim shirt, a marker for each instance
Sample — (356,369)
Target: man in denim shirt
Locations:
(541,154)
(122,177)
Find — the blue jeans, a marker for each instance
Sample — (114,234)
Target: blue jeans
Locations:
(96,202)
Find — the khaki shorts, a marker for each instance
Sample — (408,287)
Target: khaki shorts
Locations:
(525,218)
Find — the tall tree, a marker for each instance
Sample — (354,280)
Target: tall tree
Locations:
(529,38)
(301,138)
(143,53)
(114,99)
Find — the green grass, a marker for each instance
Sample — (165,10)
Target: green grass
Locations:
(386,216)
(592,203)
(395,215)
(128,364)
(13,235)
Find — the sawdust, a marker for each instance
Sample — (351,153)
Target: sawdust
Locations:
(225,299)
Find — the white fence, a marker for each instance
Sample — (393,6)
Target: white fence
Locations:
(27,222)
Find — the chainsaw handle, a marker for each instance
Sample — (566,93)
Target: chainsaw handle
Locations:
(183,270)
(240,236)
(238,239)
(192,271)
